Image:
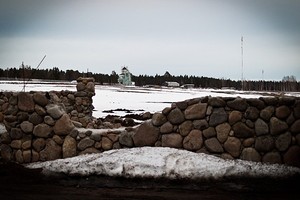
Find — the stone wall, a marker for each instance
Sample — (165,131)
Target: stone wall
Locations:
(37,122)
(44,126)
(263,130)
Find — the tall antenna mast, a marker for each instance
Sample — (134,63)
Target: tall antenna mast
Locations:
(242,54)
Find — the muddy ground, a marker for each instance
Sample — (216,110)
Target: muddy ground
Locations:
(17,182)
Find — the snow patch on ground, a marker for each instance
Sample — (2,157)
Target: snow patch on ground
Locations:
(161,162)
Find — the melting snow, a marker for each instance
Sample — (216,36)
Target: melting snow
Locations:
(160,162)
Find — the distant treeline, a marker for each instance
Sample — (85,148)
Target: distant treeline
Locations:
(288,83)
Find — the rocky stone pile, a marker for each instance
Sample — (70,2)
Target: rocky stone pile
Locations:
(265,129)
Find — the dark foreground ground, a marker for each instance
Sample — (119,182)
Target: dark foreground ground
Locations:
(17,182)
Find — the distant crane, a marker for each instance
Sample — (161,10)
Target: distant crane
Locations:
(242,54)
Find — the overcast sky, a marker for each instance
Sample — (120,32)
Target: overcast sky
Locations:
(193,37)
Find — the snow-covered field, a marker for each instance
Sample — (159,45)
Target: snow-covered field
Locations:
(159,162)
(137,99)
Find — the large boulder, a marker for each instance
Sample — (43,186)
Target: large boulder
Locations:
(40,99)
(272,157)
(55,110)
(196,111)
(261,127)
(42,130)
(166,128)
(63,126)
(125,139)
(25,102)
(223,132)
(282,112)
(295,128)
(234,117)
(176,116)
(158,119)
(26,127)
(213,145)
(233,146)
(277,126)
(85,143)
(146,135)
(193,141)
(69,147)
(185,128)
(241,130)
(238,104)
(264,143)
(217,117)
(250,154)
(173,140)
(267,113)
(283,141)
(252,113)
(52,151)
(216,102)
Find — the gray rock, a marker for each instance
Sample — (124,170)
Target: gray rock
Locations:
(173,140)
(39,144)
(40,110)
(216,102)
(146,135)
(158,119)
(16,144)
(52,151)
(264,143)
(256,103)
(63,126)
(233,146)
(267,113)
(213,145)
(55,110)
(95,136)
(193,141)
(209,132)
(26,127)
(166,128)
(250,154)
(69,147)
(195,111)
(80,86)
(90,87)
(200,124)
(238,104)
(58,139)
(13,100)
(270,100)
(217,117)
(223,132)
(176,116)
(277,126)
(296,110)
(241,130)
(49,120)
(182,105)
(6,152)
(27,156)
(85,143)
(261,127)
(35,118)
(185,128)
(282,112)
(125,139)
(252,113)
(272,158)
(42,130)
(26,145)
(89,150)
(25,102)
(248,142)
(283,141)
(15,134)
(40,99)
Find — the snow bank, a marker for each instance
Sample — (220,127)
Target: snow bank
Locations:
(159,162)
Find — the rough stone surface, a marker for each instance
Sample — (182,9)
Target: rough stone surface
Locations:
(216,102)
(158,119)
(272,157)
(35,118)
(296,110)
(283,141)
(40,99)
(26,127)
(27,156)
(69,147)
(193,141)
(173,140)
(85,143)
(185,128)
(238,104)
(233,146)
(234,117)
(295,128)
(223,132)
(196,111)
(261,127)
(55,110)
(63,126)
(282,112)
(40,110)
(209,132)
(49,120)
(248,142)
(213,145)
(145,130)
(176,116)
(25,102)
(42,130)
(277,126)
(252,113)
(6,152)
(52,151)
(241,130)
(106,143)
(250,154)
(267,113)
(39,144)
(16,144)
(15,134)
(166,128)
(125,139)
(200,124)
(218,116)
(292,156)
(264,143)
